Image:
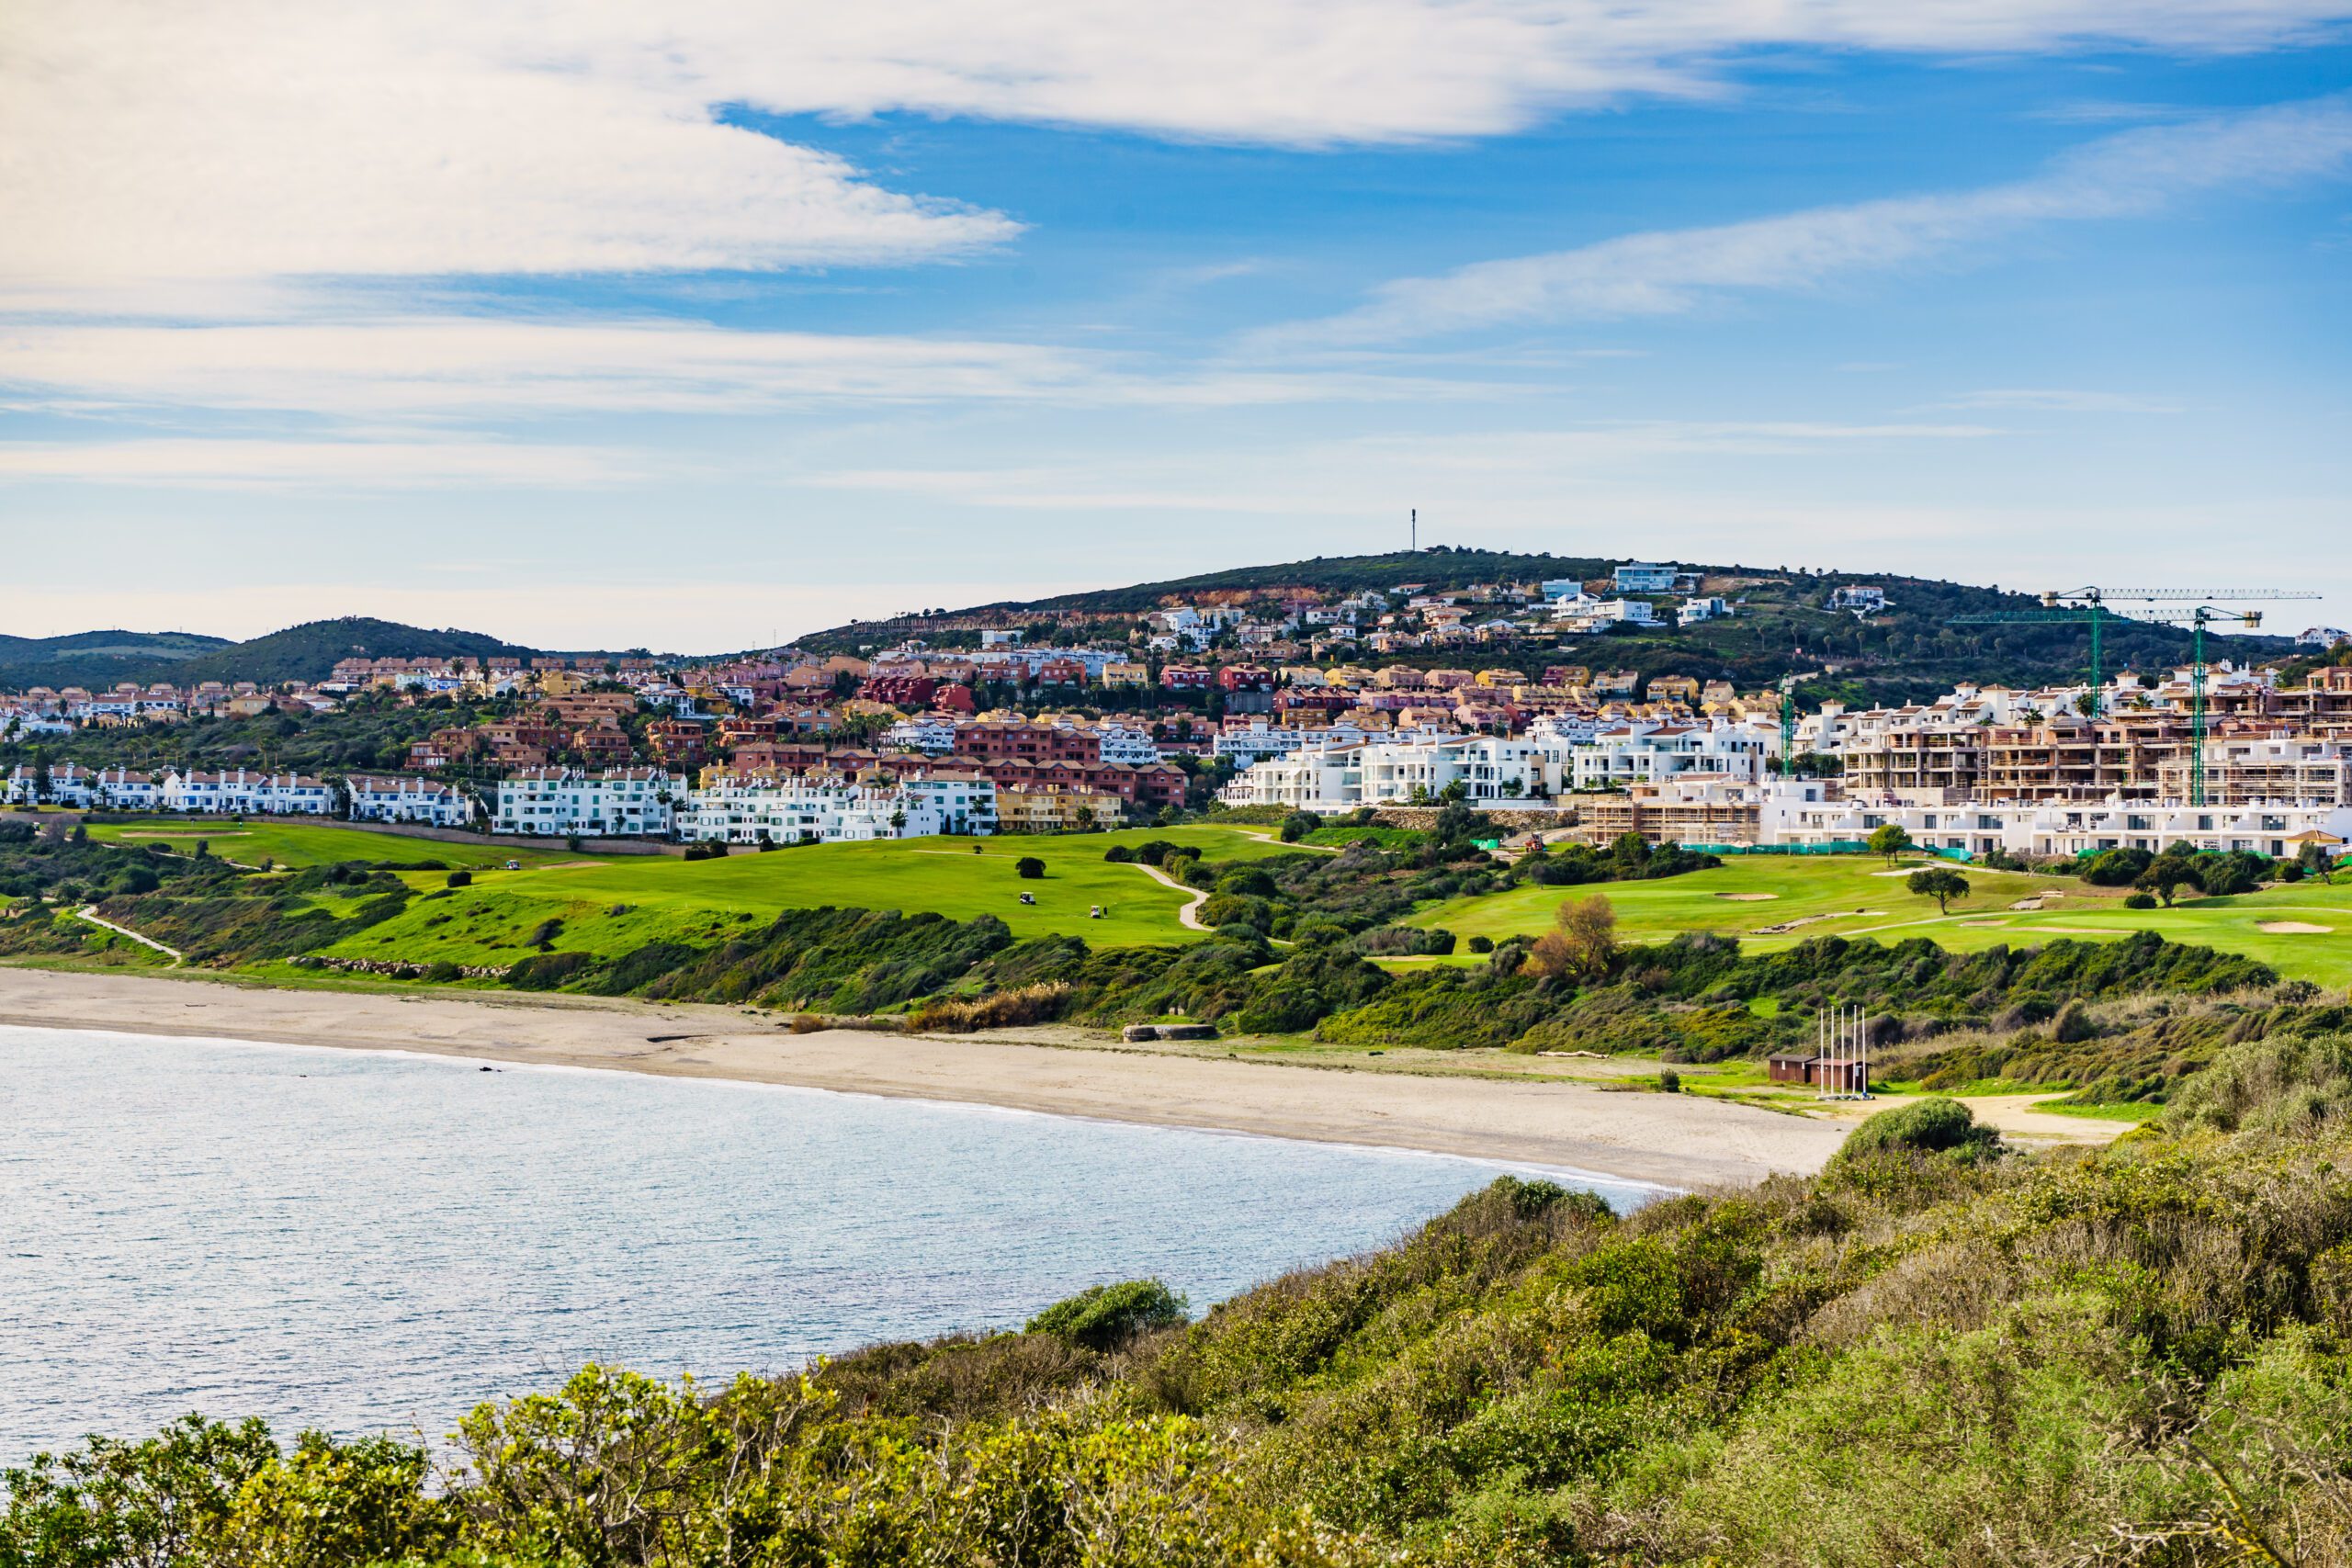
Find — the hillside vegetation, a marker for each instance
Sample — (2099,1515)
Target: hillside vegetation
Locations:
(1935,1352)
(1909,653)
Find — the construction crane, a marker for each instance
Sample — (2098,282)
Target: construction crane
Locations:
(2088,606)
(2080,606)
(2199,615)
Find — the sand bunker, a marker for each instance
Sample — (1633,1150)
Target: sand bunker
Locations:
(1982,924)
(1748,898)
(2293,928)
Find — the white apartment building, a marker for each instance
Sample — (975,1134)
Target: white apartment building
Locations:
(383,799)
(1691,612)
(749,808)
(2047,829)
(242,792)
(1492,770)
(69,783)
(1126,744)
(565,801)
(1623,755)
(1250,741)
(932,734)
(1584,613)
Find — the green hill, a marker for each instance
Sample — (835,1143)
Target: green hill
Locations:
(82,658)
(306,652)
(1784,625)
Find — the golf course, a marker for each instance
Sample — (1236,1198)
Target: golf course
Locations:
(609,904)
(2302,930)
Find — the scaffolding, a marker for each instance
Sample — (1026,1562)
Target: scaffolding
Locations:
(1842,1054)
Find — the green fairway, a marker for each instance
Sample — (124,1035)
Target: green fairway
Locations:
(297,844)
(1771,902)
(610,906)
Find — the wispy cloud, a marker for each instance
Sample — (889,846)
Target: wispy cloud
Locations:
(441,367)
(1668,272)
(2062,399)
(273,138)
(332,465)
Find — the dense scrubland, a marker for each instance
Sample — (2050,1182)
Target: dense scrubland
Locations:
(1937,1351)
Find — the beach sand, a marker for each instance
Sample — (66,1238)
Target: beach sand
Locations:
(1676,1140)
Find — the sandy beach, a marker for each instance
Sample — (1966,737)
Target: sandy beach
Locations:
(1674,1140)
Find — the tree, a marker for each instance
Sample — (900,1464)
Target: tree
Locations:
(1582,944)
(2165,874)
(1889,841)
(1941,883)
(1029,868)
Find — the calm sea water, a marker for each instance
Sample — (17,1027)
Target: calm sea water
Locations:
(371,1241)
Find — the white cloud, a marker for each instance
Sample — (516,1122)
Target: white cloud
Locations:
(2062,399)
(143,140)
(230,462)
(1350,477)
(446,366)
(1668,272)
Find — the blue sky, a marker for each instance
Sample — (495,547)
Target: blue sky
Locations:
(699,333)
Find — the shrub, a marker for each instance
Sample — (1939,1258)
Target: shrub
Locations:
(547,971)
(461,879)
(2141,901)
(2117,868)
(1106,1317)
(1119,854)
(1482,944)
(1925,1126)
(137,879)
(1029,868)
(443,973)
(1298,824)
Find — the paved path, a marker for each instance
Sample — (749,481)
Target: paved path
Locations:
(1190,915)
(90,913)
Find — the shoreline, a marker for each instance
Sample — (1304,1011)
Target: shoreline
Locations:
(1672,1141)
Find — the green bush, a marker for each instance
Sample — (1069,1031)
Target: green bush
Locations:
(1107,1317)
(1925,1126)
(460,879)
(2141,901)
(1029,868)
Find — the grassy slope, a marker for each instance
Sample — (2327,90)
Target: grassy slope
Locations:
(701,901)
(313,843)
(1832,889)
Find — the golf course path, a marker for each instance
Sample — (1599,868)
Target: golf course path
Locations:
(1189,916)
(90,913)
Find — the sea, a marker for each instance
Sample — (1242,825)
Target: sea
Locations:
(370,1241)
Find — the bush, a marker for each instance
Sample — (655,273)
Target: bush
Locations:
(1925,1126)
(547,971)
(137,879)
(2117,868)
(1029,868)
(1298,824)
(1106,1317)
(2141,901)
(461,879)
(1119,854)
(1482,944)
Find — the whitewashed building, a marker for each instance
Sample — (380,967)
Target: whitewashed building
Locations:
(1641,752)
(629,802)
(739,809)
(377,798)
(1491,769)
(242,792)
(2045,830)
